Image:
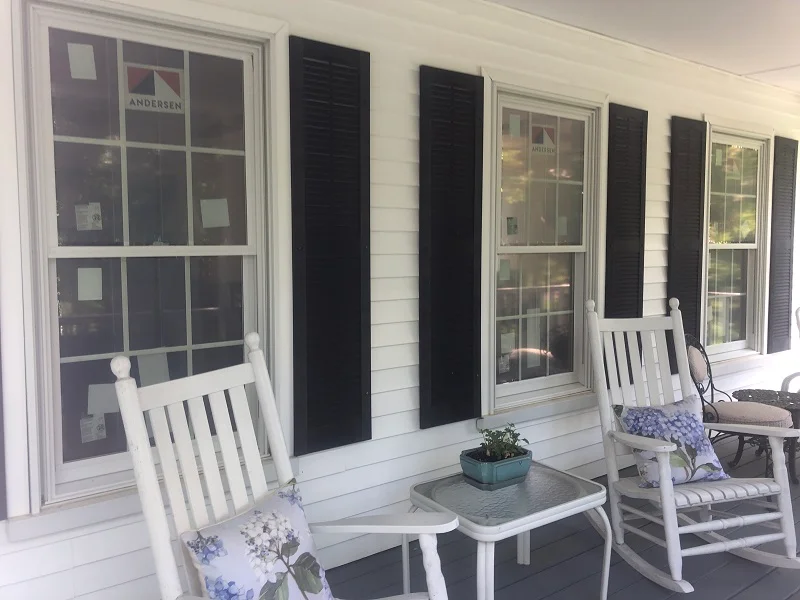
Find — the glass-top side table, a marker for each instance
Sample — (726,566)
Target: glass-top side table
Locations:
(544,496)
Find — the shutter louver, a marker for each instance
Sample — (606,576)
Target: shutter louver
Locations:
(686,223)
(451,169)
(779,331)
(329,89)
(627,166)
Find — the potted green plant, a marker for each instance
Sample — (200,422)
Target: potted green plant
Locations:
(501,457)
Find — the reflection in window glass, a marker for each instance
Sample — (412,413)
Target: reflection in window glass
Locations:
(534,316)
(732,220)
(157,206)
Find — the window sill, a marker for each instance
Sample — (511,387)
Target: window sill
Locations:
(736,361)
(93,511)
(582,400)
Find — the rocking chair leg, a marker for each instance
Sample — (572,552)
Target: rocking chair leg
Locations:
(785,497)
(735,462)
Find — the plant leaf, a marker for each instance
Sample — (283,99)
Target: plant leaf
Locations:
(290,548)
(711,468)
(277,590)
(307,573)
(691,451)
(676,460)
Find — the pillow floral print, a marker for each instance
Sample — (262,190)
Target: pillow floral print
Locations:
(693,460)
(266,553)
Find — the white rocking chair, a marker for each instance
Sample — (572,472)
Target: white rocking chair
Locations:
(167,400)
(628,372)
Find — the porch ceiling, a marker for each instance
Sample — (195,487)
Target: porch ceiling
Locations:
(753,38)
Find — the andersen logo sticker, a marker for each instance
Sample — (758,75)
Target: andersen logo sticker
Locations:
(154,89)
(543,139)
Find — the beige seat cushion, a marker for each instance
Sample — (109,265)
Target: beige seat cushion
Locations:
(753,413)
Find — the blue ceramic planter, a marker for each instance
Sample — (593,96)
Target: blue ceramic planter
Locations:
(495,472)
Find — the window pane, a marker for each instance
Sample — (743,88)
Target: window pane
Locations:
(727,297)
(719,154)
(716,218)
(89,306)
(89,386)
(85,91)
(570,149)
(210,359)
(569,223)
(749,171)
(747,228)
(542,214)
(88,195)
(220,207)
(534,316)
(541,173)
(733,216)
(156,302)
(157,197)
(217,101)
(216,299)
(154,73)
(733,170)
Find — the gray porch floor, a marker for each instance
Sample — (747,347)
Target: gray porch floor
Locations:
(565,564)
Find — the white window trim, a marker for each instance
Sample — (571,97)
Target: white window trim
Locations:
(497,82)
(25,484)
(762,137)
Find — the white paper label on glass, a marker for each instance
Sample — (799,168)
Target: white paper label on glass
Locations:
(543,139)
(534,353)
(81,61)
(512,226)
(504,269)
(504,363)
(563,222)
(90,283)
(515,125)
(508,342)
(718,157)
(93,428)
(88,217)
(214,213)
(102,399)
(153,368)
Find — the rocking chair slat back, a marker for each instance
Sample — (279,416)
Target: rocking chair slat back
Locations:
(631,362)
(209,399)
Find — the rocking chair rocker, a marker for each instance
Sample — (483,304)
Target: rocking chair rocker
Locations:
(629,357)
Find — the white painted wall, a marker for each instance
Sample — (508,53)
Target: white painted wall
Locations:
(112,559)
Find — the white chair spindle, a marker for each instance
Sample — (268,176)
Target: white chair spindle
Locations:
(191,477)
(227,444)
(208,458)
(636,368)
(611,366)
(663,366)
(169,468)
(622,365)
(650,368)
(248,442)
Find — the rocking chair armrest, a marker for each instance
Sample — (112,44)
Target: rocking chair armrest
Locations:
(409,523)
(760,430)
(640,442)
(788,380)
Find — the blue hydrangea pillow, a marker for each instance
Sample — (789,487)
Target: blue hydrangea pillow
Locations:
(680,423)
(266,553)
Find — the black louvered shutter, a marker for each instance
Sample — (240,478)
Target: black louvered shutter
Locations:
(450,184)
(329,88)
(627,167)
(779,333)
(686,204)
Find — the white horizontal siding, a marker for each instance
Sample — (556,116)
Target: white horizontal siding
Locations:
(112,561)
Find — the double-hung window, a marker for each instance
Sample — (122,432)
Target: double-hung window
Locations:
(734,275)
(543,174)
(149,225)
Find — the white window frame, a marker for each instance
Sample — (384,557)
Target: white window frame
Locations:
(514,90)
(258,34)
(761,139)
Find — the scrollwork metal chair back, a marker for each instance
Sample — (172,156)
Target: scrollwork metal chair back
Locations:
(705,385)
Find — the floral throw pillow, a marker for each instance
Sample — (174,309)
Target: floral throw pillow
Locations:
(680,423)
(266,553)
